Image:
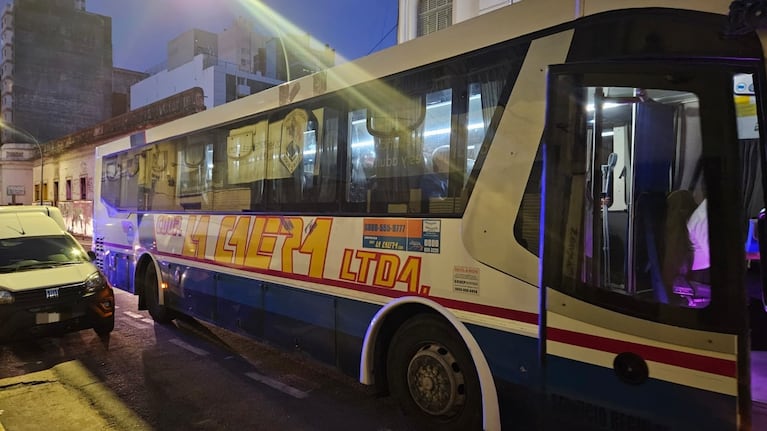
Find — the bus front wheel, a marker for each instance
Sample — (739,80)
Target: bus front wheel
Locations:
(160,313)
(432,375)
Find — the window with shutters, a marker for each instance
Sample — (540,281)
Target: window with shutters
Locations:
(434,15)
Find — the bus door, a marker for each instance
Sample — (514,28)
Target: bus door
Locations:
(643,265)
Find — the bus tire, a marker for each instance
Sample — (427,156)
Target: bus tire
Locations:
(432,375)
(160,313)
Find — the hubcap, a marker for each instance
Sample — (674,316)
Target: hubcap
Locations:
(436,381)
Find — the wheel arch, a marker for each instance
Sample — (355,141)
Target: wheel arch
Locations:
(381,330)
(142,264)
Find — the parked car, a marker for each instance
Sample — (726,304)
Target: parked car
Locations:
(48,283)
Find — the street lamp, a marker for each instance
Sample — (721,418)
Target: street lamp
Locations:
(25,134)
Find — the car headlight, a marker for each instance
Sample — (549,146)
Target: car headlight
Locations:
(94,283)
(6,297)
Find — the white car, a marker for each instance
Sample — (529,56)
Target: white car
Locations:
(48,283)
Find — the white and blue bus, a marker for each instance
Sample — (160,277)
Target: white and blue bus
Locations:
(491,223)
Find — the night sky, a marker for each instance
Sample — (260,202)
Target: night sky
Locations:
(141,29)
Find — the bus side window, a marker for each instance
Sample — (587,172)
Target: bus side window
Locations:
(361,157)
(324,165)
(285,154)
(244,161)
(397,125)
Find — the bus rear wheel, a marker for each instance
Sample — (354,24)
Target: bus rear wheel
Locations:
(432,375)
(160,313)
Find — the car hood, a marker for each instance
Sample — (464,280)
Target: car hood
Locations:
(47,277)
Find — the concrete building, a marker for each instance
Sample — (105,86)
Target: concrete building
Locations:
(222,82)
(241,46)
(57,79)
(57,67)
(194,61)
(243,62)
(421,17)
(189,45)
(122,80)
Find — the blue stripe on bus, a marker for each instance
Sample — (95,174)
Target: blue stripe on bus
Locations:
(586,396)
(331,329)
(601,393)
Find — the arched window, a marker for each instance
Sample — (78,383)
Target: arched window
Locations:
(434,15)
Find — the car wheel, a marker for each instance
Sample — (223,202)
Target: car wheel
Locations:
(104,326)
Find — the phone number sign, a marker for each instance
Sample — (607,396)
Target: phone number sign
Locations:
(420,235)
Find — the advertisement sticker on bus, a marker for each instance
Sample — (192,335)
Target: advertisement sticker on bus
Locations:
(411,235)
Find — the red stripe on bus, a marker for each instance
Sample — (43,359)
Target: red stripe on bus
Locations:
(505,313)
(722,367)
(693,361)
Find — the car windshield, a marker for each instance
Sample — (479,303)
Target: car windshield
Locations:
(27,253)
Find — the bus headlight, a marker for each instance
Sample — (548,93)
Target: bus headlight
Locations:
(6,297)
(95,283)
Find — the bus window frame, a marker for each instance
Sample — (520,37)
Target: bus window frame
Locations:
(727,304)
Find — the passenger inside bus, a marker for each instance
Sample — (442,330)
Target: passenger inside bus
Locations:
(434,183)
(679,250)
(685,255)
(697,225)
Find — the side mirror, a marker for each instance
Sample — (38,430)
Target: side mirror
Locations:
(92,255)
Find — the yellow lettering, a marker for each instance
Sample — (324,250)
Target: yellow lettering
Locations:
(411,274)
(292,231)
(196,237)
(239,239)
(365,257)
(233,233)
(386,270)
(221,254)
(316,245)
(346,273)
(254,258)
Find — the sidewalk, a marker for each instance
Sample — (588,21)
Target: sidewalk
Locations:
(67,398)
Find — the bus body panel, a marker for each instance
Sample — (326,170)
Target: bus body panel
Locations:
(497,195)
(325,282)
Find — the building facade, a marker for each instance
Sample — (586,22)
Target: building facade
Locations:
(238,44)
(122,80)
(56,68)
(243,62)
(421,17)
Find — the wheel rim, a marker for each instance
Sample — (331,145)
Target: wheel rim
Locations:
(436,381)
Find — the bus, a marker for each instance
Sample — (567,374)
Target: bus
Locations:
(489,223)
